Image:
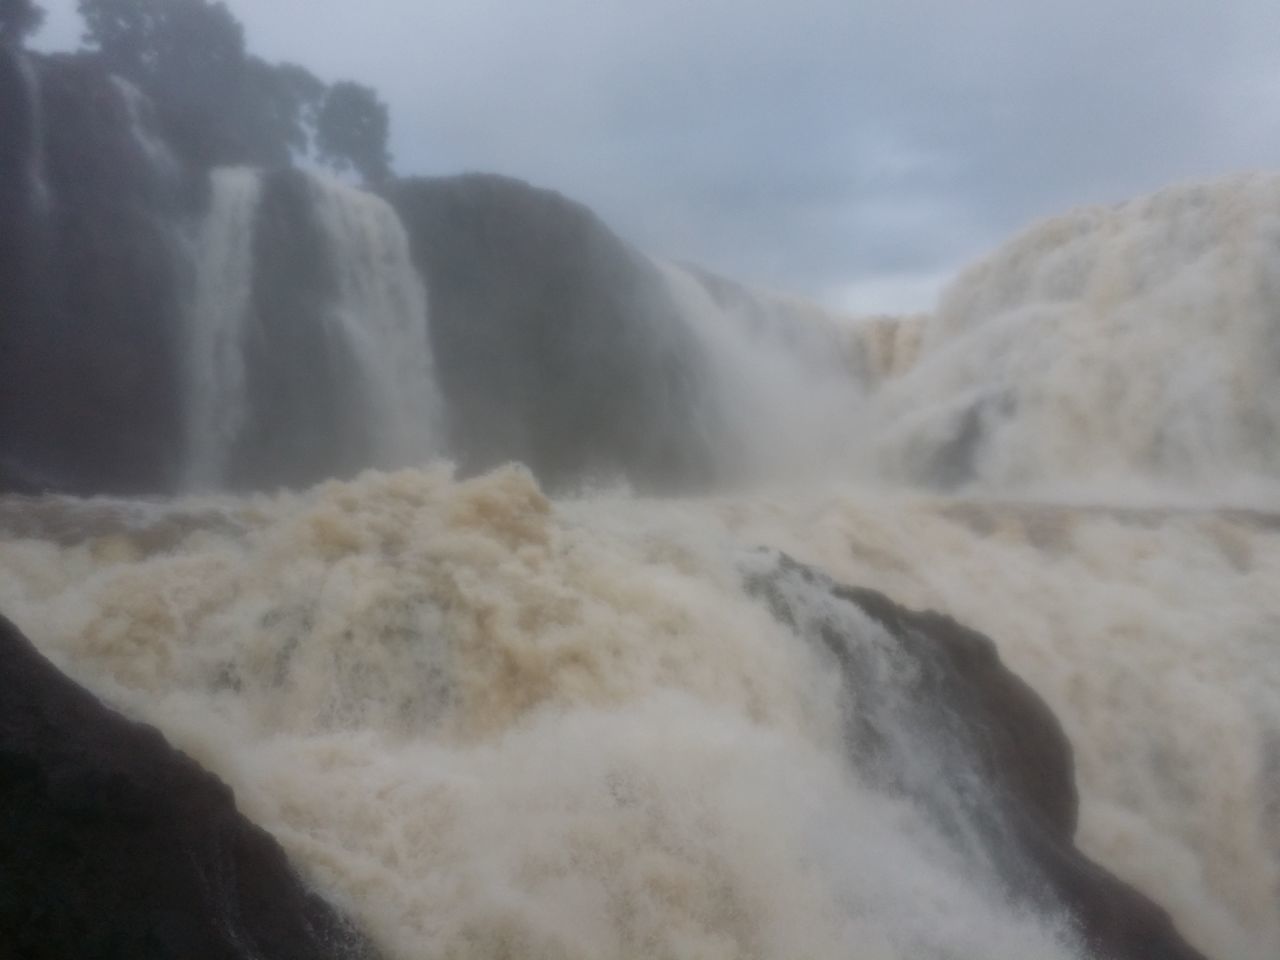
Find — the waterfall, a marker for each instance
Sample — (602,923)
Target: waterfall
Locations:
(789,403)
(38,182)
(369,331)
(380,315)
(1133,346)
(138,107)
(217,402)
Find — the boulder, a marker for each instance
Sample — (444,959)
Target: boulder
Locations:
(935,717)
(556,343)
(116,846)
(91,282)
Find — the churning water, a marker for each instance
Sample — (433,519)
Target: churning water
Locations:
(492,724)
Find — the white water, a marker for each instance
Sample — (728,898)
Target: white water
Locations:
(381,317)
(1137,343)
(38,182)
(792,409)
(492,725)
(885,347)
(487,722)
(139,108)
(378,320)
(217,398)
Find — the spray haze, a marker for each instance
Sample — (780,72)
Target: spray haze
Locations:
(518,574)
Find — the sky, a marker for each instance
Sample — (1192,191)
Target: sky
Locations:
(858,152)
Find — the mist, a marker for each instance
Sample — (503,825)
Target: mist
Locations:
(601,482)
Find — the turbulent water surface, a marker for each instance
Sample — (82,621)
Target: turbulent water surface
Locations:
(486,721)
(1136,343)
(490,723)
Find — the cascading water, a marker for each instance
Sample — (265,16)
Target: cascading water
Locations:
(885,347)
(152,146)
(381,316)
(788,405)
(494,726)
(373,322)
(1138,343)
(490,724)
(217,401)
(39,184)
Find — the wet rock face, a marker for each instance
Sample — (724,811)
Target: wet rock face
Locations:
(934,716)
(555,343)
(19,249)
(91,279)
(115,845)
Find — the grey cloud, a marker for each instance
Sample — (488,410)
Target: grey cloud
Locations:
(810,144)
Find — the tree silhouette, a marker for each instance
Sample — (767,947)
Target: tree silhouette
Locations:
(18,18)
(219,104)
(351,132)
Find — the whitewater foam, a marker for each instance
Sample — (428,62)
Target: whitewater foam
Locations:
(1150,632)
(483,724)
(484,721)
(1135,341)
(487,723)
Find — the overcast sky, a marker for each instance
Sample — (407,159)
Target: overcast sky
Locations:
(858,151)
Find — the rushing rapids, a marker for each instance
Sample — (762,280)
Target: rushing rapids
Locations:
(541,711)
(482,721)
(1112,346)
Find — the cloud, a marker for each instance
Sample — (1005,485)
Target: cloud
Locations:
(811,145)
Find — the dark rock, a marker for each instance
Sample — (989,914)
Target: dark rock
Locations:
(90,282)
(115,845)
(21,247)
(556,344)
(935,717)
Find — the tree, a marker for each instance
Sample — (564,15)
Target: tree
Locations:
(189,56)
(271,121)
(154,40)
(351,132)
(220,105)
(18,18)
(294,99)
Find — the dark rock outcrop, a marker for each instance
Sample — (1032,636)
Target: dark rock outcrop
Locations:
(556,344)
(937,718)
(90,282)
(115,846)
